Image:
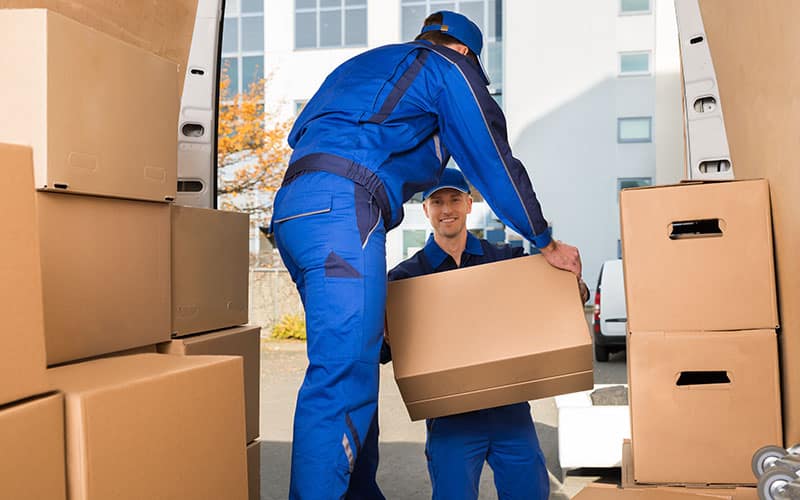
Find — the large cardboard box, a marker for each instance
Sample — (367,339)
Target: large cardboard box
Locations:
(163,27)
(105,274)
(154,426)
(699,257)
(488,335)
(32,444)
(210,266)
(754,47)
(243,341)
(254,470)
(627,481)
(22,358)
(701,404)
(111,131)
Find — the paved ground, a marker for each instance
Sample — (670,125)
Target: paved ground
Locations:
(402,474)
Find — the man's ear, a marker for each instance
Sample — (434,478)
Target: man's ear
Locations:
(425,208)
(469,204)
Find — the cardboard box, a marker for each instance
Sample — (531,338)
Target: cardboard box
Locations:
(519,334)
(162,27)
(736,493)
(243,341)
(154,426)
(254,470)
(761,109)
(105,274)
(111,131)
(597,491)
(210,269)
(32,444)
(699,257)
(22,358)
(701,404)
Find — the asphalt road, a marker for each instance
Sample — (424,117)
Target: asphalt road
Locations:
(402,474)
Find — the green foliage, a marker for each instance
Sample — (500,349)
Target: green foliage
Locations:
(291,326)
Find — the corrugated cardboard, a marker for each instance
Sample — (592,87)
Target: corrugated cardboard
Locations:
(688,432)
(22,358)
(163,27)
(100,114)
(612,492)
(487,335)
(254,470)
(32,444)
(715,282)
(155,426)
(243,341)
(105,274)
(754,46)
(210,265)
(736,493)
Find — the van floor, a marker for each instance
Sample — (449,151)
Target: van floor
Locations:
(403,472)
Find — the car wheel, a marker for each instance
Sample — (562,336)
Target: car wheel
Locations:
(600,353)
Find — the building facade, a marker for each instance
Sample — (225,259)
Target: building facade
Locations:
(590,89)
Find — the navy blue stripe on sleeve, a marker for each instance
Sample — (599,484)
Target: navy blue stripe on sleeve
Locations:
(495,126)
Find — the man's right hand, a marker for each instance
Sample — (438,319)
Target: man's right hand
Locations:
(563,256)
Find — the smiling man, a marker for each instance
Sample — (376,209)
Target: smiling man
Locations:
(458,445)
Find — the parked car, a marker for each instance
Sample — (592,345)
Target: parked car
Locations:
(610,320)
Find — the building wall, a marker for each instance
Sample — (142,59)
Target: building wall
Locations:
(563,95)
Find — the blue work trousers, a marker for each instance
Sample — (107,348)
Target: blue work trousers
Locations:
(458,445)
(331,237)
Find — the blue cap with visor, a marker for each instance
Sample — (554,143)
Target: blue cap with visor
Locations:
(451,178)
(462,29)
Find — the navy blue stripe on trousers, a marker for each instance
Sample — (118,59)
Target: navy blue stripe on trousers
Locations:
(400,88)
(496,127)
(361,175)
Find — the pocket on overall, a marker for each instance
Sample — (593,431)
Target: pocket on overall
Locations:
(293,204)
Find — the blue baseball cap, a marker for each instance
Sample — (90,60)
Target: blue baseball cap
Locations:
(451,178)
(462,29)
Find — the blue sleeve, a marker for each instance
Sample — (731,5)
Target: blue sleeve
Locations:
(473,127)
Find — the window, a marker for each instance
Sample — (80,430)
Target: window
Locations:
(243,43)
(634,129)
(634,63)
(633,182)
(413,241)
(330,23)
(634,7)
(487,14)
(299,105)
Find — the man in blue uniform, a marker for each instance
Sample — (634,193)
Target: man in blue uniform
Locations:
(380,128)
(458,445)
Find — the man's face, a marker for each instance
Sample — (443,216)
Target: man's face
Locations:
(447,210)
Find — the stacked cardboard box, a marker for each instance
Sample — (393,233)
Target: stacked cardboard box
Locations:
(702,314)
(31,424)
(755,58)
(93,259)
(210,267)
(491,359)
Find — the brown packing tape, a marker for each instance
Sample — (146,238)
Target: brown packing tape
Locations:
(754,46)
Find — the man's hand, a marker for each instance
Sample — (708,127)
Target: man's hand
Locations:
(584,290)
(563,256)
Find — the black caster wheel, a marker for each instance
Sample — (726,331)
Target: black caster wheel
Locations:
(765,458)
(774,483)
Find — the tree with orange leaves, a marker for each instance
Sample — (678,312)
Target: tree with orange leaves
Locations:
(252,152)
